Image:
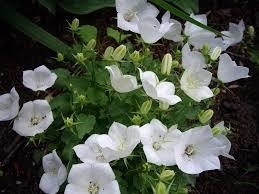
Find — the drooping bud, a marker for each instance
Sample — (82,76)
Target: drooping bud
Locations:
(60,57)
(163,105)
(251,31)
(108,53)
(166,64)
(119,53)
(90,45)
(74,25)
(205,116)
(135,57)
(214,55)
(166,176)
(215,91)
(137,120)
(161,188)
(145,107)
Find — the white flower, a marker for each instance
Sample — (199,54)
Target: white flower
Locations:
(234,34)
(192,58)
(198,36)
(55,173)
(197,151)
(228,70)
(158,142)
(162,91)
(40,78)
(95,149)
(34,117)
(92,178)
(174,32)
(194,82)
(124,139)
(122,83)
(151,30)
(9,105)
(130,12)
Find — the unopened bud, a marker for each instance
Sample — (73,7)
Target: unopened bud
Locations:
(216,91)
(60,57)
(119,53)
(163,105)
(145,107)
(214,55)
(137,120)
(251,31)
(69,122)
(220,129)
(205,116)
(146,167)
(135,57)
(108,53)
(74,25)
(175,64)
(161,188)
(91,45)
(80,58)
(166,64)
(205,49)
(167,175)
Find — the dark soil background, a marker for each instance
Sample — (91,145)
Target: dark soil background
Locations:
(237,106)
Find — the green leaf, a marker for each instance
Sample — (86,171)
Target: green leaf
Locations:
(85,6)
(70,140)
(254,56)
(61,103)
(79,84)
(50,5)
(32,30)
(86,124)
(96,96)
(87,32)
(115,34)
(183,15)
(63,76)
(189,6)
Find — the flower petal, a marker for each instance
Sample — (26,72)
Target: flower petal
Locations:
(165,93)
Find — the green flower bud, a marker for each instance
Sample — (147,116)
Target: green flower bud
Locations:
(205,116)
(108,53)
(90,45)
(163,105)
(178,54)
(80,58)
(135,57)
(74,25)
(205,49)
(175,64)
(216,91)
(166,175)
(60,57)
(220,130)
(214,55)
(119,53)
(146,167)
(69,122)
(137,120)
(145,107)
(146,52)
(82,99)
(251,31)
(161,188)
(166,64)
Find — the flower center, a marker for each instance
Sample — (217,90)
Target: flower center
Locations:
(129,15)
(156,145)
(35,120)
(189,150)
(93,188)
(192,82)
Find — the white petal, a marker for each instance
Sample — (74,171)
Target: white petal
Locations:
(165,93)
(228,70)
(191,28)
(200,93)
(226,145)
(127,25)
(174,32)
(234,34)
(75,189)
(149,82)
(112,187)
(149,11)
(49,183)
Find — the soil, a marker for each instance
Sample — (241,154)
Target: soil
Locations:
(237,105)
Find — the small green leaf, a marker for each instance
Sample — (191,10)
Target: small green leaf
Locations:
(86,124)
(87,32)
(63,76)
(61,103)
(115,34)
(70,140)
(96,96)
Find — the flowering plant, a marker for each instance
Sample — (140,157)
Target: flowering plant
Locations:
(124,121)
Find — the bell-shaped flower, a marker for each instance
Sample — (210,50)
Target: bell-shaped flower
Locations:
(228,70)
(174,32)
(92,178)
(198,37)
(158,142)
(162,91)
(96,149)
(194,82)
(197,151)
(38,79)
(55,173)
(34,117)
(151,30)
(125,139)
(192,58)
(122,83)
(9,105)
(234,34)
(130,12)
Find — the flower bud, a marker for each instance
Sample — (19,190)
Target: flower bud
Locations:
(80,58)
(175,64)
(135,57)
(60,57)
(215,91)
(205,116)
(251,31)
(91,45)
(74,25)
(161,188)
(220,130)
(119,53)
(214,55)
(166,64)
(108,53)
(69,122)
(163,105)
(145,107)
(205,49)
(137,120)
(166,175)
(146,167)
